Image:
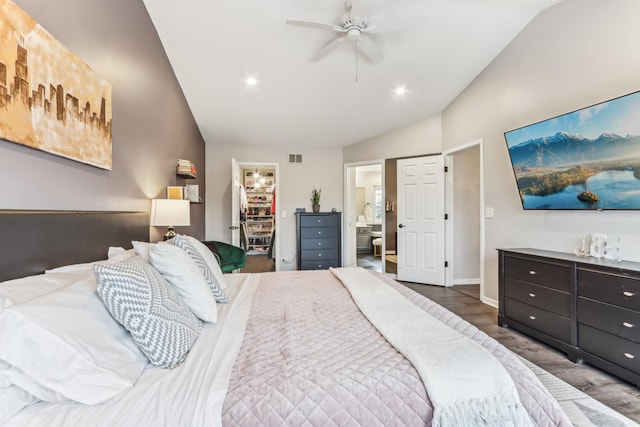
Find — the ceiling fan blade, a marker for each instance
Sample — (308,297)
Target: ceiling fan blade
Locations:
(369,48)
(315,25)
(328,47)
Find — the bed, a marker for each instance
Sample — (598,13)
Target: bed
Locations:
(289,348)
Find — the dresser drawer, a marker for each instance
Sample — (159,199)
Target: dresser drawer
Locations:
(610,347)
(550,275)
(319,265)
(611,288)
(552,300)
(310,243)
(549,323)
(610,318)
(319,254)
(319,221)
(318,232)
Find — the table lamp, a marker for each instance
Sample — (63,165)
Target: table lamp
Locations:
(170,213)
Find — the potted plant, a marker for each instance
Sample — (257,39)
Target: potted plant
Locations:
(315,199)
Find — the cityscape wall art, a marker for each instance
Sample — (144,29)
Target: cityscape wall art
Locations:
(50,99)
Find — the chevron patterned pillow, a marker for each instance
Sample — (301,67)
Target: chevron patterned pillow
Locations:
(183,243)
(144,303)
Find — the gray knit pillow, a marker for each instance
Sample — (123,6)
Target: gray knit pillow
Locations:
(183,243)
(148,307)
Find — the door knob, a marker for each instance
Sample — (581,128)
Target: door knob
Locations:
(400,225)
(234,227)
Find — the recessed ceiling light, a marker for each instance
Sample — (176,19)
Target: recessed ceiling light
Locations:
(251,81)
(400,90)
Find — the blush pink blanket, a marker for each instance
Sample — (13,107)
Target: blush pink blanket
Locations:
(309,357)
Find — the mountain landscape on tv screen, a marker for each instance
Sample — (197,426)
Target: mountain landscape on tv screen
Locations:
(569,171)
(564,149)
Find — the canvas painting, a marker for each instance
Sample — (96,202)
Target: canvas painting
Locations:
(49,98)
(586,159)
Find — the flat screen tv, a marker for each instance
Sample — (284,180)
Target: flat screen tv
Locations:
(586,159)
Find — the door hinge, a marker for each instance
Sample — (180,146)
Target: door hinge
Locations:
(446,264)
(446,168)
(446,216)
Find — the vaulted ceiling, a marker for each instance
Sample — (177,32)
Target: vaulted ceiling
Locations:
(437,49)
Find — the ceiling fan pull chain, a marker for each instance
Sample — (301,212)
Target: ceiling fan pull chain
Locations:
(356,61)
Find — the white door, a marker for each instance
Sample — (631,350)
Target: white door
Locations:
(421,220)
(235,203)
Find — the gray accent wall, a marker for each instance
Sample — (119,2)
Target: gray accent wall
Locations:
(152,123)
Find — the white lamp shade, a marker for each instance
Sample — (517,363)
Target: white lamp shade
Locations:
(170,212)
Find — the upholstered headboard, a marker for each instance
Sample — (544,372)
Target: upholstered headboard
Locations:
(33,241)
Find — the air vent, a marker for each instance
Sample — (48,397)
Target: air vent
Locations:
(295,158)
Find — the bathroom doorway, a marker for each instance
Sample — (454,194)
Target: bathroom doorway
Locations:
(364,242)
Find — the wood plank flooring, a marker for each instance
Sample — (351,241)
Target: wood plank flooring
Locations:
(464,301)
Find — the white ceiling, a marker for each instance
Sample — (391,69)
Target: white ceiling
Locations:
(214,45)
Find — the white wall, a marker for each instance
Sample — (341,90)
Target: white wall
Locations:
(575,54)
(321,168)
(422,137)
(466,216)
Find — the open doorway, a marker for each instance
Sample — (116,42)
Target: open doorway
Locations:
(465,230)
(258,216)
(364,225)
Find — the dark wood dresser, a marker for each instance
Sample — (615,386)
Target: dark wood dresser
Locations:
(587,307)
(319,240)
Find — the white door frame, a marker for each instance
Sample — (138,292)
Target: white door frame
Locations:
(349,252)
(276,166)
(449,188)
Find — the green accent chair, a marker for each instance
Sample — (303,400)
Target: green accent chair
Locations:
(229,256)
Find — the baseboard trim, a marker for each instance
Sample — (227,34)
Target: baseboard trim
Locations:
(489,301)
(474,281)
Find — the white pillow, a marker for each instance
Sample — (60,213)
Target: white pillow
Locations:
(210,259)
(64,346)
(183,273)
(140,298)
(142,249)
(12,400)
(115,250)
(87,267)
(24,289)
(183,243)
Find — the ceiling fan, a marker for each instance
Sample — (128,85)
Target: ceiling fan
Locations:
(355,29)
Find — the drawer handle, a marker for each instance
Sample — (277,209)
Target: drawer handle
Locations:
(319,221)
(532,295)
(532,272)
(627,324)
(629,356)
(319,232)
(319,243)
(532,317)
(628,294)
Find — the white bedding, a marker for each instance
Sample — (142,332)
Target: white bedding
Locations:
(158,397)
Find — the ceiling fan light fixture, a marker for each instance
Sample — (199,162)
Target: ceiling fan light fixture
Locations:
(251,81)
(400,90)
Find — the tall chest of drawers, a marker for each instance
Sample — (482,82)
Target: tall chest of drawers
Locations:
(319,240)
(588,308)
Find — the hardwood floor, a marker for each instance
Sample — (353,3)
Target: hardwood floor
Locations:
(258,264)
(463,300)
